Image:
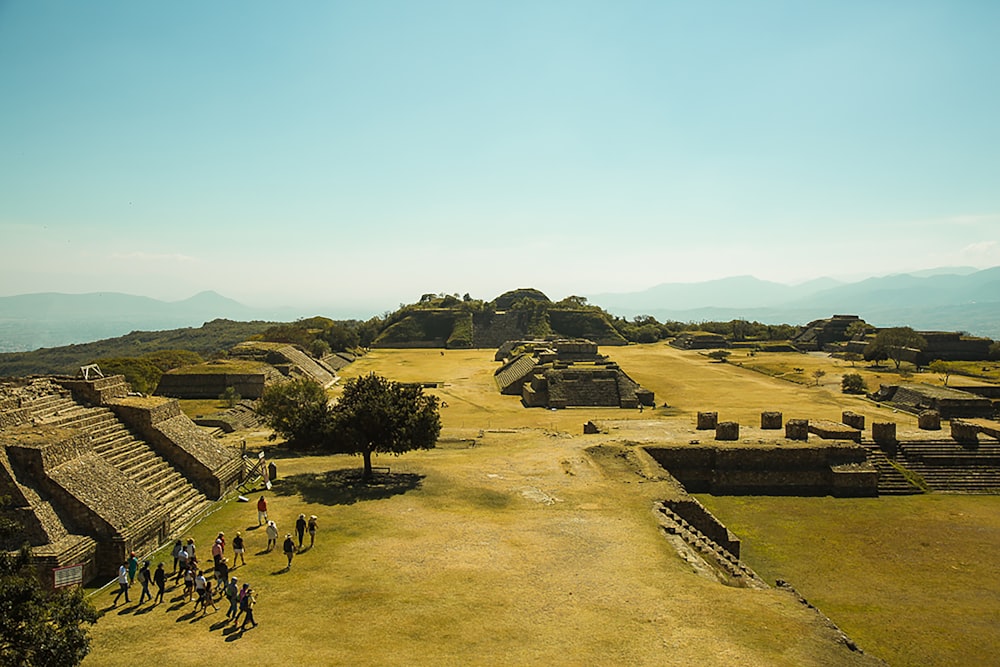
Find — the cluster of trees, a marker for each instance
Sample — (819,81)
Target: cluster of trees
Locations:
(646,329)
(321,335)
(143,372)
(894,343)
(373,415)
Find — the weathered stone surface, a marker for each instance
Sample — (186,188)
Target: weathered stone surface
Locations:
(929,420)
(797,429)
(771,420)
(707,420)
(727,431)
(590,428)
(965,433)
(853,419)
(884,435)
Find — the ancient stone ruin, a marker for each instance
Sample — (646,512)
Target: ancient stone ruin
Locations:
(948,403)
(94,473)
(566,373)
(249,368)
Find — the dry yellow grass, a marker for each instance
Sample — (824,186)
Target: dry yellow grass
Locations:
(508,544)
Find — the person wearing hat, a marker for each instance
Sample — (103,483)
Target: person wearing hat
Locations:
(238,549)
(247,606)
(232,592)
(311,527)
(289,548)
(300,528)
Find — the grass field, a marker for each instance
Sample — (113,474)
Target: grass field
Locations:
(511,544)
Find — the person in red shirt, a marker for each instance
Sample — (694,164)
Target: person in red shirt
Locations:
(261,511)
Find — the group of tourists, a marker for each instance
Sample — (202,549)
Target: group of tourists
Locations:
(206,585)
(200,584)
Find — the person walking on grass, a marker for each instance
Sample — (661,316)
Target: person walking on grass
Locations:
(133,567)
(182,562)
(160,579)
(232,593)
(311,527)
(249,602)
(289,548)
(209,598)
(176,553)
(145,578)
(300,528)
(240,601)
(122,583)
(272,535)
(238,549)
(261,511)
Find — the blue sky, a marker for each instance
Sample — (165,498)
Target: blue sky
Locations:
(345,153)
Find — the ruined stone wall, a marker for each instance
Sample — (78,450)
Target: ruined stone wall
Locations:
(778,470)
(96,392)
(698,516)
(210,385)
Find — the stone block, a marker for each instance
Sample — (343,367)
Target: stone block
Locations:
(771,420)
(727,431)
(853,419)
(590,427)
(707,420)
(797,429)
(929,420)
(965,433)
(884,435)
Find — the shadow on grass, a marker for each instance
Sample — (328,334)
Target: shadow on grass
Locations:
(345,487)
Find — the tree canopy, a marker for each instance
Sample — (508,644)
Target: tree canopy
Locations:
(892,343)
(297,411)
(377,415)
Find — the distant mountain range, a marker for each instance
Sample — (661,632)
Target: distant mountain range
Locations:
(32,321)
(949,299)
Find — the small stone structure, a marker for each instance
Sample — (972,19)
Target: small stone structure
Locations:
(797,429)
(707,421)
(590,428)
(771,420)
(818,334)
(727,431)
(965,433)
(949,403)
(567,373)
(929,420)
(699,340)
(884,435)
(830,430)
(853,419)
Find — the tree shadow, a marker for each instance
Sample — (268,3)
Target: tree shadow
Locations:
(346,486)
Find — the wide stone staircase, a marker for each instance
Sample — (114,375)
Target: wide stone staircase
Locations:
(891,482)
(134,457)
(948,466)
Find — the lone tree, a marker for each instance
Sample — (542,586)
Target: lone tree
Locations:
(853,383)
(942,367)
(893,344)
(297,411)
(376,415)
(38,626)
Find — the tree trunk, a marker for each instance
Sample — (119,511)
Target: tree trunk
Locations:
(367,476)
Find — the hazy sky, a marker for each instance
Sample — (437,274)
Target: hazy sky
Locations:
(371,151)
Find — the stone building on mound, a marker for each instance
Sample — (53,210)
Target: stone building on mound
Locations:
(948,402)
(818,334)
(93,473)
(249,368)
(566,373)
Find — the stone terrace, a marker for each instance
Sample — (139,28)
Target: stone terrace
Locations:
(92,482)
